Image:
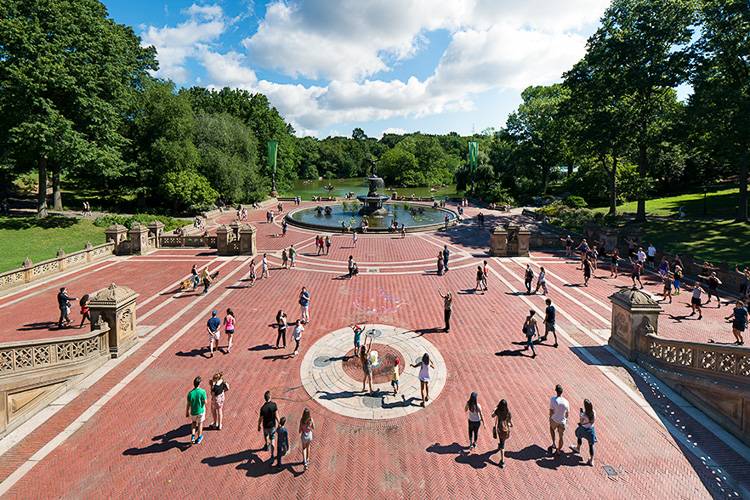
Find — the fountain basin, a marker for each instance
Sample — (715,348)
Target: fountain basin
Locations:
(415,216)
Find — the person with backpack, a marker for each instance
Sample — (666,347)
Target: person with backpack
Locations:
(501,430)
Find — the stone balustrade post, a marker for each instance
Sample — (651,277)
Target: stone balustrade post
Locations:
(117,234)
(138,236)
(60,256)
(156,229)
(634,315)
(222,240)
(499,242)
(247,240)
(523,237)
(116,306)
(27,272)
(88,248)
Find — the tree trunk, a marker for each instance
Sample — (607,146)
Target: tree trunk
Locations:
(41,205)
(612,185)
(640,215)
(545,178)
(56,191)
(742,207)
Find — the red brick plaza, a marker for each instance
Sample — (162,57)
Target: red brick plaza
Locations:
(126,435)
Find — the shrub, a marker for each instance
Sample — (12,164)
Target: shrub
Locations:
(188,190)
(170,223)
(574,201)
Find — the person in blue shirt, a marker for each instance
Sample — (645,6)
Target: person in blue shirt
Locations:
(213,327)
(549,321)
(446,254)
(304,303)
(282,437)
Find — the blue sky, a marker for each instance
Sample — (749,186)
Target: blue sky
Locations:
(383,65)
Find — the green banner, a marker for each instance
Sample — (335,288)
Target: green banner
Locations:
(473,154)
(273,147)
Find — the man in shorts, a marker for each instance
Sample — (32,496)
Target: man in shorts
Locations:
(549,321)
(195,410)
(558,418)
(651,255)
(267,421)
(357,338)
(739,321)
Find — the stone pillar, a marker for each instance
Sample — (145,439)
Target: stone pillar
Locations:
(222,240)
(117,234)
(499,242)
(60,256)
(523,241)
(115,305)
(27,273)
(88,248)
(512,239)
(247,240)
(156,228)
(634,315)
(138,236)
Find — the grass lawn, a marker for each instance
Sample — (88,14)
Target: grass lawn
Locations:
(39,239)
(714,236)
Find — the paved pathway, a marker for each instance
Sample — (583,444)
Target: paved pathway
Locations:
(126,432)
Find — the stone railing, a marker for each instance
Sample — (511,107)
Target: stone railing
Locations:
(725,361)
(20,356)
(31,272)
(188,241)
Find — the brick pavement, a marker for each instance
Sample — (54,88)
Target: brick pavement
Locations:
(139,436)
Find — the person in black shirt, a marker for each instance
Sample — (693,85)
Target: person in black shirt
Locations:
(267,420)
(528,278)
(549,321)
(712,282)
(63,302)
(586,271)
(739,321)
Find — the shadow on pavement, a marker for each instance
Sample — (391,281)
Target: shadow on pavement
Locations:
(165,442)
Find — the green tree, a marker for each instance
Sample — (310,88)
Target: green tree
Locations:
(187,190)
(67,75)
(720,105)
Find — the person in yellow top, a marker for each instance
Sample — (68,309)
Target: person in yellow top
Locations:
(394,378)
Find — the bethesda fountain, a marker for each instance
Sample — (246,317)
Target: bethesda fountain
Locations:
(373,202)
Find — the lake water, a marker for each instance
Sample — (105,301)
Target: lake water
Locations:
(307,189)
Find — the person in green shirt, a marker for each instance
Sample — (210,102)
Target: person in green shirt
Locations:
(196,410)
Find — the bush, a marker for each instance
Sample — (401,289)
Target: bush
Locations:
(188,190)
(170,223)
(496,193)
(573,219)
(574,201)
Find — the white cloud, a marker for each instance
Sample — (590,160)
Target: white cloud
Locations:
(393,130)
(174,45)
(495,44)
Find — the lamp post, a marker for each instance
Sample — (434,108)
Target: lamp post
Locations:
(273,147)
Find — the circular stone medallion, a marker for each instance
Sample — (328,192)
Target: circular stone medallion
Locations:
(334,379)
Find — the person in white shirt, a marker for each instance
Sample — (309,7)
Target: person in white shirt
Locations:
(297,335)
(586,430)
(558,418)
(641,256)
(651,251)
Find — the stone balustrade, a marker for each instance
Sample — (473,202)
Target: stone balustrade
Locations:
(725,361)
(31,272)
(187,241)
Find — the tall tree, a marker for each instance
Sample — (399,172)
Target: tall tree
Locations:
(67,73)
(641,47)
(720,104)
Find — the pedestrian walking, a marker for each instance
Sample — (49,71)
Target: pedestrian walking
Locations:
(282,441)
(212,326)
(559,408)
(267,421)
(744,280)
(549,321)
(446,255)
(476,419)
(586,430)
(218,389)
(739,321)
(541,281)
(713,282)
(264,267)
(297,335)
(635,275)
(304,304)
(485,270)
(583,251)
(252,277)
(357,329)
(528,278)
(206,279)
(281,326)
(364,358)
(293,255)
(447,309)
(229,327)
(501,430)
(85,310)
(663,269)
(440,269)
(587,267)
(402,231)
(667,290)
(196,279)
(328,244)
(568,242)
(195,410)
(424,377)
(651,255)
(306,428)
(395,376)
(446,220)
(63,303)
(696,301)
(480,279)
(284,227)
(530,329)
(354,238)
(318,246)
(614,263)
(284,259)
(677,278)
